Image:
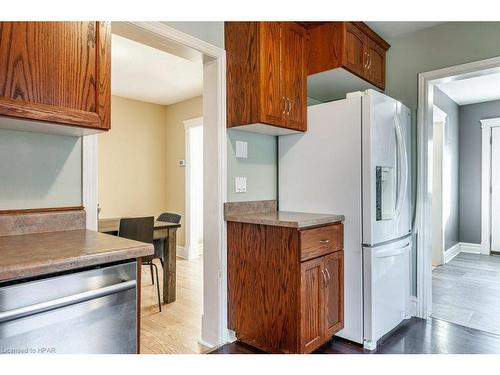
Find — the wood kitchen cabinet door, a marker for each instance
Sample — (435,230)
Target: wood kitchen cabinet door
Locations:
(294,57)
(57,72)
(334,292)
(355,51)
(375,66)
(312,312)
(272,76)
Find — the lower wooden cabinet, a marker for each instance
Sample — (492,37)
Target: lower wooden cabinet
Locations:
(276,301)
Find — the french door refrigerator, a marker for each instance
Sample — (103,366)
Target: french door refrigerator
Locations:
(354,160)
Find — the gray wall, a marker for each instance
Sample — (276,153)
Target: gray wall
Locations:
(39,170)
(260,168)
(452,169)
(470,167)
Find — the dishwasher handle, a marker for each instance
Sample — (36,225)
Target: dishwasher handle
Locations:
(65,301)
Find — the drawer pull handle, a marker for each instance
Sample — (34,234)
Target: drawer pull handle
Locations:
(324,241)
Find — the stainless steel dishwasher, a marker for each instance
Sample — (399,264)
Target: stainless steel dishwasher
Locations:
(90,311)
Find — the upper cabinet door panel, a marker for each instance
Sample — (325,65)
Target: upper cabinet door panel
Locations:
(354,49)
(295,72)
(50,63)
(56,71)
(272,103)
(376,64)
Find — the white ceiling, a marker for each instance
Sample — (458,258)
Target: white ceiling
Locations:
(393,29)
(473,90)
(150,75)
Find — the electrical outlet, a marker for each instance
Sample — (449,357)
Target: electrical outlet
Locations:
(240,184)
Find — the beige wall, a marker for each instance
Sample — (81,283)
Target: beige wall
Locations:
(139,172)
(132,174)
(175,186)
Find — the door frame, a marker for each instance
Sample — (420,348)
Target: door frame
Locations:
(423,222)
(189,251)
(439,120)
(214,318)
(486,148)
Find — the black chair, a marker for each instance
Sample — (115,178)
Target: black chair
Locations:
(141,229)
(169,217)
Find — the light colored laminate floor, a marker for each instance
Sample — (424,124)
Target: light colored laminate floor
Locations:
(177,328)
(466,291)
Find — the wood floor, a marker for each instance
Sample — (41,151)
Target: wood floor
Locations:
(414,336)
(466,291)
(177,329)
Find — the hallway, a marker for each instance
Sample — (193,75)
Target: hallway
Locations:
(466,291)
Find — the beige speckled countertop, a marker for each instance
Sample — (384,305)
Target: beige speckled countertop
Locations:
(297,220)
(37,254)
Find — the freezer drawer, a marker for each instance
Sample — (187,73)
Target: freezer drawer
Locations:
(386,280)
(92,311)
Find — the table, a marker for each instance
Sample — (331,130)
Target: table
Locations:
(162,231)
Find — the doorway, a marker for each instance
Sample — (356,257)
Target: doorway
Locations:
(454,268)
(157,35)
(194,187)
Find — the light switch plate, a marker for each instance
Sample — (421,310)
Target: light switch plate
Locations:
(240,184)
(241,149)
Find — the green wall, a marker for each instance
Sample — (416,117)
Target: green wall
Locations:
(39,170)
(260,168)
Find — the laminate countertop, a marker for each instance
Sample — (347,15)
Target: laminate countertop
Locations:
(297,220)
(37,254)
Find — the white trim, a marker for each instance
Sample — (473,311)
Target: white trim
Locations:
(423,229)
(214,319)
(486,126)
(413,306)
(473,248)
(89,179)
(451,253)
(190,251)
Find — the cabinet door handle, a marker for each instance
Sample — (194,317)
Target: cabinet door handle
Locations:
(369,62)
(324,241)
(328,275)
(323,284)
(284,105)
(365,65)
(289,106)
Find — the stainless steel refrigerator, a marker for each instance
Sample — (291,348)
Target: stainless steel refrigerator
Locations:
(354,160)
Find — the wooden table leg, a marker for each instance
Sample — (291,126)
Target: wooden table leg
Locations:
(170,266)
(139,273)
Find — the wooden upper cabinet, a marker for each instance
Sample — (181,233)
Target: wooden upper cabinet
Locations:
(272,82)
(266,74)
(294,62)
(354,46)
(375,64)
(56,72)
(350,45)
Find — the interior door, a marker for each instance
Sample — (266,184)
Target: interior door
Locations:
(495,189)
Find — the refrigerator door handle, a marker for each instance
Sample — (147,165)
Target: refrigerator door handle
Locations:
(403,162)
(393,252)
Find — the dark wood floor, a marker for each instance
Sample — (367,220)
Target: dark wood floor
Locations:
(414,336)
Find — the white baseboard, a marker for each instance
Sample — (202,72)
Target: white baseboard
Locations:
(181,252)
(472,248)
(463,247)
(452,252)
(413,306)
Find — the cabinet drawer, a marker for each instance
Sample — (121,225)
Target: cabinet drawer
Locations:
(320,241)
